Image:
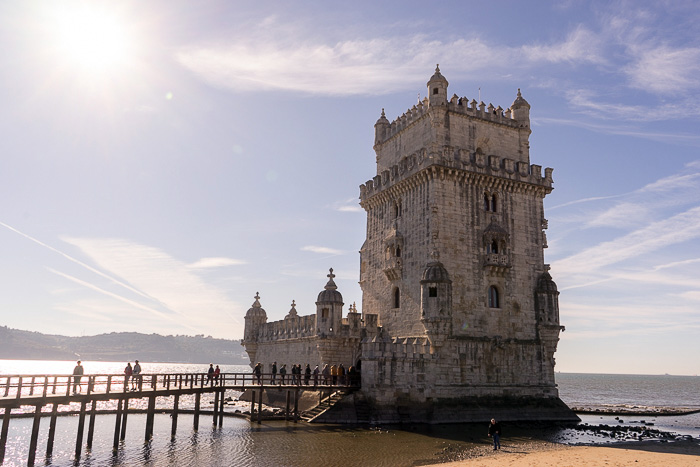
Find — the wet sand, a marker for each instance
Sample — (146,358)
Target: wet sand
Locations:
(543,454)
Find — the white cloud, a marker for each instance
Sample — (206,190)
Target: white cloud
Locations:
(163,284)
(322,249)
(581,46)
(665,70)
(676,229)
(206,263)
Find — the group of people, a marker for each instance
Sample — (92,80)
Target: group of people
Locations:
(335,375)
(213,375)
(133,374)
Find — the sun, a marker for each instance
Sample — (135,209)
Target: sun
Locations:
(91,39)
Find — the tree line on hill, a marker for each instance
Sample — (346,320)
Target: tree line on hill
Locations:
(118,346)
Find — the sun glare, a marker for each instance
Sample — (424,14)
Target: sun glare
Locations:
(92,39)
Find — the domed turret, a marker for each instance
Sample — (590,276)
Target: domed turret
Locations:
(329,308)
(545,284)
(330,293)
(437,88)
(255,318)
(521,109)
(381,129)
(547,300)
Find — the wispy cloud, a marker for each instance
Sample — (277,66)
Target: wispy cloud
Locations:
(323,250)
(665,70)
(207,263)
(581,46)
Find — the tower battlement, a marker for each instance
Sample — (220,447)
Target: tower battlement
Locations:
(459,161)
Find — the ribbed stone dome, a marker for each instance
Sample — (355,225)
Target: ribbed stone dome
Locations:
(435,272)
(256,310)
(330,293)
(545,284)
(437,76)
(519,102)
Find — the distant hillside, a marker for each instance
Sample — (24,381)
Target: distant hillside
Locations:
(117,346)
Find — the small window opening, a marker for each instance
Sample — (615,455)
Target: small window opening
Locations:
(432,291)
(493,297)
(397,298)
(493,203)
(435,91)
(324,313)
(492,247)
(487,206)
(398,251)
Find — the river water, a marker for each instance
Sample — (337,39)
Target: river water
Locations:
(279,443)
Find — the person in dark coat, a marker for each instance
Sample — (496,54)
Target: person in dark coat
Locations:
(257,371)
(495,433)
(307,374)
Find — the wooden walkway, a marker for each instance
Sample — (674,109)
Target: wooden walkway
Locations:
(42,390)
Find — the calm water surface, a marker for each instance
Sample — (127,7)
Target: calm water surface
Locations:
(279,443)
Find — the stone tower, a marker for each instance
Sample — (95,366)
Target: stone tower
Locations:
(453,261)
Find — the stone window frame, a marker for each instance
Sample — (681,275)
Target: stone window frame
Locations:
(491,201)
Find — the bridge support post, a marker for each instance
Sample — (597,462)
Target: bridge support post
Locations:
(35,435)
(117,425)
(176,406)
(260,406)
(296,405)
(252,404)
(149,417)
(81,430)
(125,412)
(197,400)
(221,408)
(52,430)
(91,425)
(286,407)
(216,408)
(3,433)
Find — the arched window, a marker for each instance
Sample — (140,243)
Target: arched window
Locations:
(397,297)
(398,252)
(492,247)
(487,206)
(493,203)
(493,297)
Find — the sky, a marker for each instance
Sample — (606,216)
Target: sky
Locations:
(164,161)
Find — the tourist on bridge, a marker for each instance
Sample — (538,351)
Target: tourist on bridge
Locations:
(283,373)
(217,373)
(307,374)
(495,433)
(274,373)
(326,373)
(257,371)
(316,372)
(341,374)
(128,371)
(210,374)
(334,375)
(77,376)
(137,379)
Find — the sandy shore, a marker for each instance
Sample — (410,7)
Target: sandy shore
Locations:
(679,454)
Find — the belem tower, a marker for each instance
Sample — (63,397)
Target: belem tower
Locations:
(460,317)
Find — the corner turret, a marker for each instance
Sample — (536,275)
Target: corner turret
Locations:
(255,318)
(437,88)
(381,129)
(329,308)
(436,302)
(521,110)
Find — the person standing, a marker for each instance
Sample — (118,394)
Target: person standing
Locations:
(307,374)
(283,373)
(274,373)
(257,371)
(136,381)
(326,373)
(77,376)
(210,374)
(495,433)
(128,371)
(217,373)
(316,372)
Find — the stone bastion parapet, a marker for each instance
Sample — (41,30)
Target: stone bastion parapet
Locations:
(494,168)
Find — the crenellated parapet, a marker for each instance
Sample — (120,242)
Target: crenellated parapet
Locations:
(289,328)
(475,163)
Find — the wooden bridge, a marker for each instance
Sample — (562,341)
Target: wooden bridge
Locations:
(42,390)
